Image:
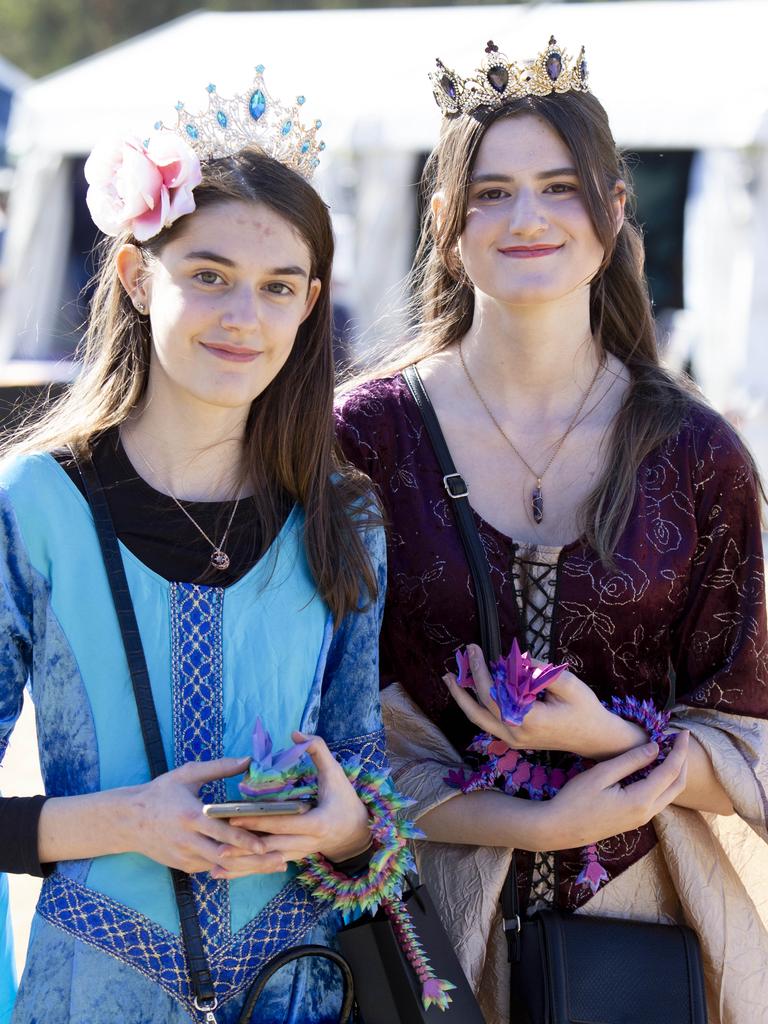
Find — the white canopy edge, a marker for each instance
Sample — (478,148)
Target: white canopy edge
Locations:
(11,77)
(672,73)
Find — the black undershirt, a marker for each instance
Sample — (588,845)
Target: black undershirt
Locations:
(157,532)
(153,527)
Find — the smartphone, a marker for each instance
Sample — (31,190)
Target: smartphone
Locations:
(246,808)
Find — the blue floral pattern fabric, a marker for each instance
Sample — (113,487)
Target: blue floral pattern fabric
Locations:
(105,942)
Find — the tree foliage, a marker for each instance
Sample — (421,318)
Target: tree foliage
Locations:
(41,36)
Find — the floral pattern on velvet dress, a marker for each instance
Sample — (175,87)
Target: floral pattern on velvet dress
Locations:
(681,614)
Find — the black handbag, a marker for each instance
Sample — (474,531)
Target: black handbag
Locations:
(600,970)
(291,956)
(572,968)
(387,990)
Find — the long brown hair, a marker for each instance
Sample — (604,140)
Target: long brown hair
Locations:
(622,322)
(288,446)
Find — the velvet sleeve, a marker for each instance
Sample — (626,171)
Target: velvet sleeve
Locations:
(719,645)
(18,817)
(357,423)
(7,968)
(350,712)
(15,622)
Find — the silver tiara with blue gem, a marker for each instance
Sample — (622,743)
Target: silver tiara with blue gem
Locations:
(252,118)
(498,79)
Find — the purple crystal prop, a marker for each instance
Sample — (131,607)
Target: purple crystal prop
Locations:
(554,66)
(448,86)
(593,873)
(517,681)
(654,721)
(498,77)
(537,504)
(465,679)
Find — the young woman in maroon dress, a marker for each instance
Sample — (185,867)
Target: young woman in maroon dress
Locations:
(621,524)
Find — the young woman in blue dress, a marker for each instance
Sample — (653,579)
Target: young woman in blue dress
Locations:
(256,570)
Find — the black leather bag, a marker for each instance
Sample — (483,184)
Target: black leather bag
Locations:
(573,968)
(602,970)
(387,990)
(288,956)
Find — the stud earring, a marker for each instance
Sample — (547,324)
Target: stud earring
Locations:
(141,307)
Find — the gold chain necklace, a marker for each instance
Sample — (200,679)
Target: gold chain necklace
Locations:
(537,494)
(219,558)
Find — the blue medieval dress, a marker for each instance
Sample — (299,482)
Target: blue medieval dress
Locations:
(105,942)
(7,969)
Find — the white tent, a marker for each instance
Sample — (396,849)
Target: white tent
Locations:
(12,80)
(677,74)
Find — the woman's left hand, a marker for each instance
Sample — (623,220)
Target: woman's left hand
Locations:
(568,717)
(338,827)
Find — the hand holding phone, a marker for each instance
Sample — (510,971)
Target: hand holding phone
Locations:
(254,808)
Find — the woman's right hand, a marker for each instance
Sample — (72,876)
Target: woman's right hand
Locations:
(165,821)
(568,716)
(594,805)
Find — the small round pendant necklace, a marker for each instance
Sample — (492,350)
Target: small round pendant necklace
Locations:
(537,493)
(219,558)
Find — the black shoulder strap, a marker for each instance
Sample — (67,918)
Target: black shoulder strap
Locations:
(197,962)
(456,489)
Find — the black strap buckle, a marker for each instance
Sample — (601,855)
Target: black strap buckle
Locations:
(511,924)
(462,491)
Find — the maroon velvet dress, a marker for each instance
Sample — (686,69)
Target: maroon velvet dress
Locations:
(682,612)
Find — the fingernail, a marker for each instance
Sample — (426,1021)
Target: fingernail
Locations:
(447,680)
(651,748)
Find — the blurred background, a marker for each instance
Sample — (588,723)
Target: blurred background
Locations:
(683,81)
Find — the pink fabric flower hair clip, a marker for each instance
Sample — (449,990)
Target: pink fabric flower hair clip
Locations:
(139,187)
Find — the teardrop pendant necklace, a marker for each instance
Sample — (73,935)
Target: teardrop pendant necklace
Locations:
(537,493)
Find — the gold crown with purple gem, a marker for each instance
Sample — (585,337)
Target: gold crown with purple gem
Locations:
(252,118)
(499,80)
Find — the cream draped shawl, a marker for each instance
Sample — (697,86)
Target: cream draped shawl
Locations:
(708,871)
